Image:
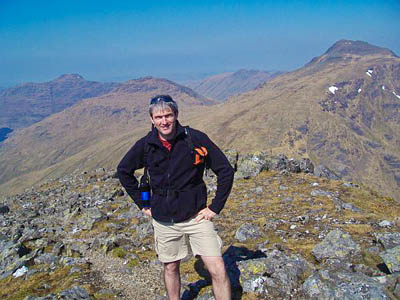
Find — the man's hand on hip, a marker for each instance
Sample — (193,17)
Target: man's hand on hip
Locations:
(206,214)
(147,211)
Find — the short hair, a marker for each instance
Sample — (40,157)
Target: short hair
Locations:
(162,102)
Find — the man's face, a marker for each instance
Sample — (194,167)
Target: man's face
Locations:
(165,122)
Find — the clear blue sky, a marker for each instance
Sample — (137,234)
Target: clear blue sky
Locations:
(120,40)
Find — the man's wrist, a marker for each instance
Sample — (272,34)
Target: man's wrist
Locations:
(212,209)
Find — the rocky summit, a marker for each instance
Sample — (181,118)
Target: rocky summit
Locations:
(287,233)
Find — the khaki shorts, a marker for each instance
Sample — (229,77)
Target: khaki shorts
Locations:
(170,242)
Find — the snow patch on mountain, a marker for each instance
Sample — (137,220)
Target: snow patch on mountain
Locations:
(333,89)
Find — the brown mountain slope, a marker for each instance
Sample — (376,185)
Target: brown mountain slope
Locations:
(29,103)
(79,127)
(222,86)
(341,109)
(355,130)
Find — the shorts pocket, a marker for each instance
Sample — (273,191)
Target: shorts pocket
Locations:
(220,243)
(156,244)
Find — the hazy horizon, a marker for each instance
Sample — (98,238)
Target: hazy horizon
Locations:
(180,40)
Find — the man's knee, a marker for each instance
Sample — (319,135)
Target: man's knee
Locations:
(215,266)
(171,267)
(218,273)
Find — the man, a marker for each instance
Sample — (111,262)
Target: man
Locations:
(175,157)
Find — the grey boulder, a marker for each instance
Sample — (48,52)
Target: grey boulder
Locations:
(343,285)
(391,259)
(337,244)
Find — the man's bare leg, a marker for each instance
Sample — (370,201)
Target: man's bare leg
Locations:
(220,280)
(172,280)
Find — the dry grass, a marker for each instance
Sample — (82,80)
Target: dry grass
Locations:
(270,206)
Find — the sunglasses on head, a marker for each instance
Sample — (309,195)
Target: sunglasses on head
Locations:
(163,98)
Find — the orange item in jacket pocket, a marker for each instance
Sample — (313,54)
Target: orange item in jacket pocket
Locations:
(200,155)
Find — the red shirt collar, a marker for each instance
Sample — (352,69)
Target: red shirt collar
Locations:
(165,143)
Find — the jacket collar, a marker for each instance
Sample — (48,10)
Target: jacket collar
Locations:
(154,139)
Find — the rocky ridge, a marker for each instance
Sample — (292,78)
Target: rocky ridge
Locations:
(341,109)
(343,49)
(288,234)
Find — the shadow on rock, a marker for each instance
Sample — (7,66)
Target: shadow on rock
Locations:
(231,256)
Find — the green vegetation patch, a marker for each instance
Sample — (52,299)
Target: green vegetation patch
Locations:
(119,252)
(39,284)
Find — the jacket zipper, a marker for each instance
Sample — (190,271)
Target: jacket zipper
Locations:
(169,185)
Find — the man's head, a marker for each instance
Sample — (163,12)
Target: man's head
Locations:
(163,114)
(162,102)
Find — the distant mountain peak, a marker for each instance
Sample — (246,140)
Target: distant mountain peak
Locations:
(356,47)
(68,77)
(29,103)
(245,72)
(224,85)
(346,48)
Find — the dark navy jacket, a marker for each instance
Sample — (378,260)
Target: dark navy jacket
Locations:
(178,189)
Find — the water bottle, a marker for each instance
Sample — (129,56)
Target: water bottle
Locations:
(144,188)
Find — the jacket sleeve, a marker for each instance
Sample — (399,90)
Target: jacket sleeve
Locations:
(133,160)
(222,168)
